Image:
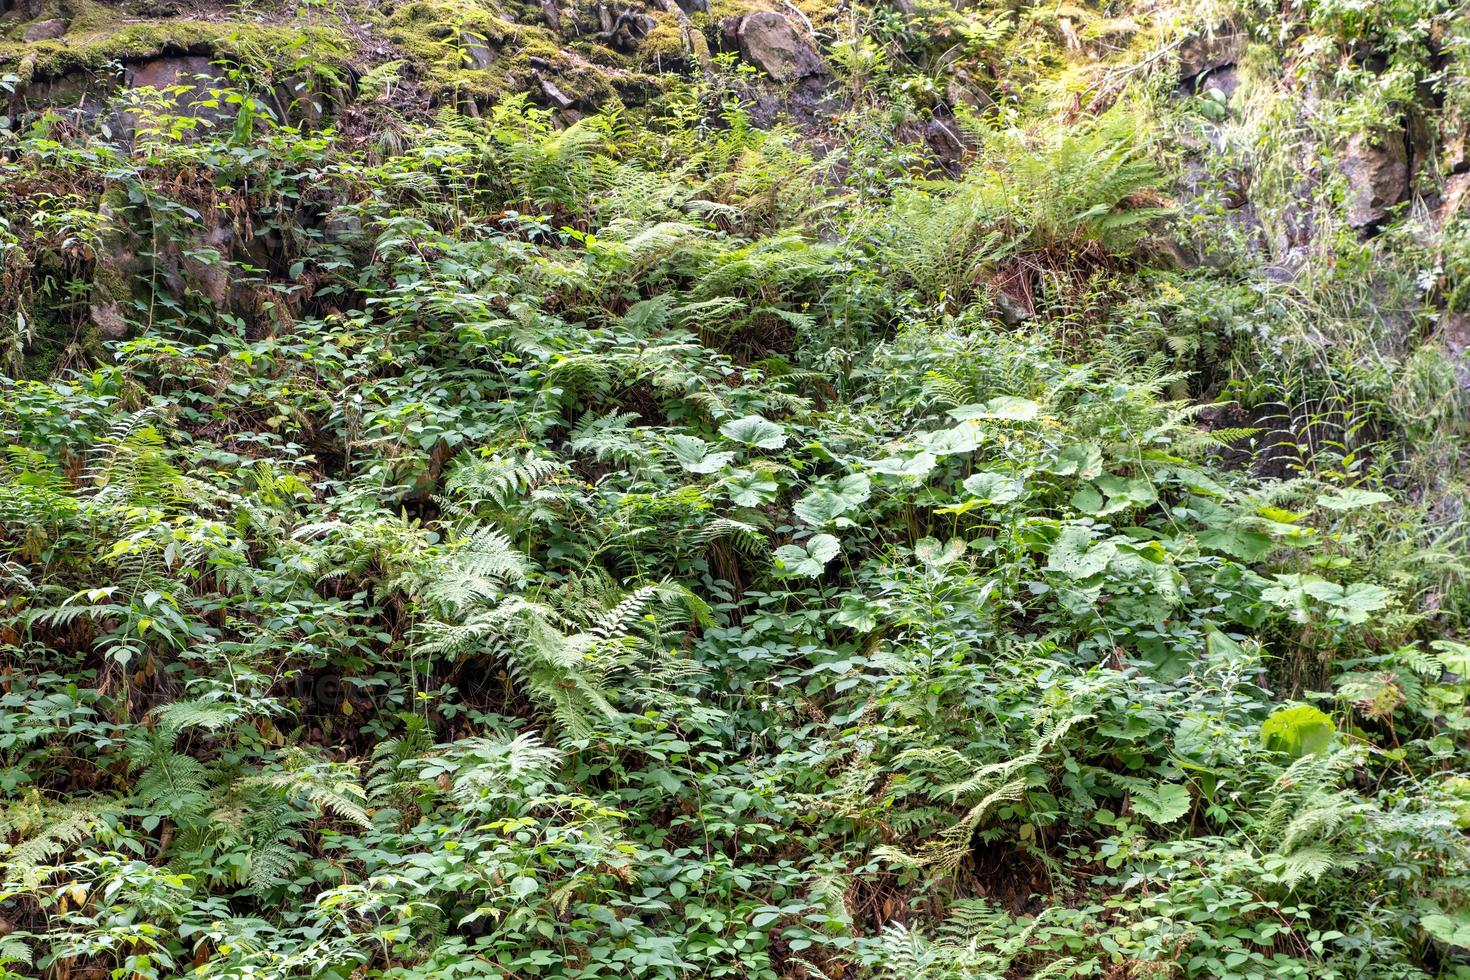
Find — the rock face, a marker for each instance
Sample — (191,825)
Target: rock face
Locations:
(1378,177)
(168,71)
(1204,53)
(770,42)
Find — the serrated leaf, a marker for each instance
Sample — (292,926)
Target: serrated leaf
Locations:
(994,488)
(794,560)
(751,488)
(1163,803)
(752,430)
(693,454)
(1353,499)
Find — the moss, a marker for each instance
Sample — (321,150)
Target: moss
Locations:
(722,10)
(431,35)
(664,45)
(98,37)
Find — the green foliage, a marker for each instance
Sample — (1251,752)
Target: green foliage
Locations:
(666,543)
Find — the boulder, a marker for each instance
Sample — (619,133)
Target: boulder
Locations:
(770,42)
(26,9)
(46,30)
(1378,176)
(187,78)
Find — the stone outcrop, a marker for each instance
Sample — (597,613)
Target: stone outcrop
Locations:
(773,44)
(45,30)
(1377,172)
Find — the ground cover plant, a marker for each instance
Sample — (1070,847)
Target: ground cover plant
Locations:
(953,491)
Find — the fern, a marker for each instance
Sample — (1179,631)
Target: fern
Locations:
(331,788)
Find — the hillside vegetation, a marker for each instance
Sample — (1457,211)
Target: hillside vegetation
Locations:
(734,489)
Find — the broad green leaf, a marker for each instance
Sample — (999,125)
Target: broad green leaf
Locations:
(1083,459)
(1162,803)
(693,454)
(1238,542)
(827,504)
(752,430)
(963,438)
(857,613)
(915,467)
(1454,656)
(1121,492)
(932,553)
(994,488)
(751,488)
(1452,930)
(1006,408)
(1299,730)
(1075,556)
(1353,499)
(793,560)
(1352,604)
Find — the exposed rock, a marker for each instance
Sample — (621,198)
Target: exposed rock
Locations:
(769,41)
(1011,310)
(1455,137)
(81,95)
(623,29)
(1455,331)
(556,96)
(1378,177)
(186,78)
(302,100)
(25,8)
(168,71)
(108,319)
(117,269)
(205,265)
(1225,78)
(477,51)
(1210,51)
(342,228)
(46,30)
(962,90)
(1456,196)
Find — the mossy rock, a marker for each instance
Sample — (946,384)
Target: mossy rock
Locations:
(99,37)
(467,50)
